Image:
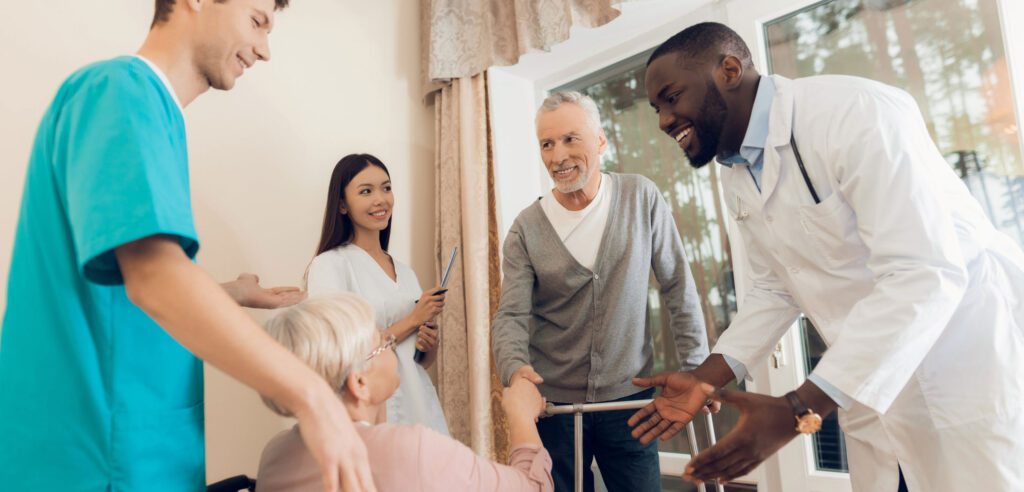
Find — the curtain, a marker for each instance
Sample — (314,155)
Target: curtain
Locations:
(460,40)
(468,386)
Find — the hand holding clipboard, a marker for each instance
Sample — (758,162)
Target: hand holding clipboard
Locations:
(419,355)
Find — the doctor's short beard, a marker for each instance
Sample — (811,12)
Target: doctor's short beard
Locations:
(709,124)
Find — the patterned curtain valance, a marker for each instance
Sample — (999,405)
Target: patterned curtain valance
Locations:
(462,38)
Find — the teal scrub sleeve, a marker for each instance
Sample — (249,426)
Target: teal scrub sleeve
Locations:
(127,170)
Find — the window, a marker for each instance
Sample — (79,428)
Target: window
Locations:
(948,54)
(636,145)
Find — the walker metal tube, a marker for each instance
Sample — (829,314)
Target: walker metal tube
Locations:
(552,409)
(691,435)
(712,440)
(578,459)
(578,409)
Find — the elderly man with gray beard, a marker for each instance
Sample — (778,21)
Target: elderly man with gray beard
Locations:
(572,318)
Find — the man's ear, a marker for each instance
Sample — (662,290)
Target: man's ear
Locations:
(729,73)
(602,141)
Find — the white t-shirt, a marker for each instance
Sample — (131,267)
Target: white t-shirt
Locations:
(164,79)
(581,231)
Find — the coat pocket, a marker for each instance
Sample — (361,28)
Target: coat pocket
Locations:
(831,227)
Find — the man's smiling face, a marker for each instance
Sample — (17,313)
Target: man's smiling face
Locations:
(690,107)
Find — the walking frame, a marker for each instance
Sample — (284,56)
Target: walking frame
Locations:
(578,409)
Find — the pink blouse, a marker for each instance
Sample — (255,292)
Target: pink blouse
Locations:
(407,458)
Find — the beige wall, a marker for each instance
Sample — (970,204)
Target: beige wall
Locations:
(343,78)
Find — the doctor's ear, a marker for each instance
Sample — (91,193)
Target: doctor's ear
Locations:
(729,73)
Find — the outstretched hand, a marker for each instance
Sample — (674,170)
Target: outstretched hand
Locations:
(682,397)
(765,424)
(246,291)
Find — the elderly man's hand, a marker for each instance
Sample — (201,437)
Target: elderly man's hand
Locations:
(526,372)
(682,396)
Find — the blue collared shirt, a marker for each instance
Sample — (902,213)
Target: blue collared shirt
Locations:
(751,152)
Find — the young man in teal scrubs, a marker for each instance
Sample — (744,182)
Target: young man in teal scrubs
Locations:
(100,384)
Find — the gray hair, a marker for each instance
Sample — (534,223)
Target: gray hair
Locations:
(331,334)
(557,99)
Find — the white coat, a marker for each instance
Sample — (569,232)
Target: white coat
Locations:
(920,299)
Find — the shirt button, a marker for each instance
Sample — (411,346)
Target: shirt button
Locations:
(768,218)
(794,270)
(597,277)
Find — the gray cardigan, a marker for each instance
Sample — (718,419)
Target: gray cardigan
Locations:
(585,332)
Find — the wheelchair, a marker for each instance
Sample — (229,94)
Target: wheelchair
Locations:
(233,484)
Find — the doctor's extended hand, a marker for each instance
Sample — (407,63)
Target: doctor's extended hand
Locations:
(246,291)
(765,424)
(682,397)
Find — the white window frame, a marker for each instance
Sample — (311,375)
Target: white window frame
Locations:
(516,92)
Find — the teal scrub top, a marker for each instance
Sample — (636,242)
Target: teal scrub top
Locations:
(93,394)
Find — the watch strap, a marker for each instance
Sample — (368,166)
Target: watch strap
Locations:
(799,408)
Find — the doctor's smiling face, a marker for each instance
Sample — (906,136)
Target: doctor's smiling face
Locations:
(702,83)
(690,107)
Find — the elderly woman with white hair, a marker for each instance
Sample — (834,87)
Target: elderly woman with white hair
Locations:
(336,336)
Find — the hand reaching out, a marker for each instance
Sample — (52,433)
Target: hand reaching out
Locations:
(522,400)
(527,373)
(246,291)
(765,424)
(682,396)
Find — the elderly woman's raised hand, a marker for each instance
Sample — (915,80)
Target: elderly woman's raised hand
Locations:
(521,400)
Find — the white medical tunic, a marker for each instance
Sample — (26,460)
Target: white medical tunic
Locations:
(348,268)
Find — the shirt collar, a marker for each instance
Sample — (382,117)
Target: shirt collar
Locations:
(757,128)
(163,78)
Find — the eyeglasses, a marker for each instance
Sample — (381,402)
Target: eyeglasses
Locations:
(388,343)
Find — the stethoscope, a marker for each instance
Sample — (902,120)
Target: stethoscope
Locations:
(742,214)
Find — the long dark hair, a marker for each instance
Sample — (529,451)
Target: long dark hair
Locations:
(338,229)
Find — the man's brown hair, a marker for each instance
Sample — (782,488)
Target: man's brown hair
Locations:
(163,9)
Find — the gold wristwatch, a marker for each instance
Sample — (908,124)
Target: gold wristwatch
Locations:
(807,420)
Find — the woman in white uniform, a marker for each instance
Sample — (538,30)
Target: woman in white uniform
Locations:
(352,256)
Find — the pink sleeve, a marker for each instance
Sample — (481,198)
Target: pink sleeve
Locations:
(449,465)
